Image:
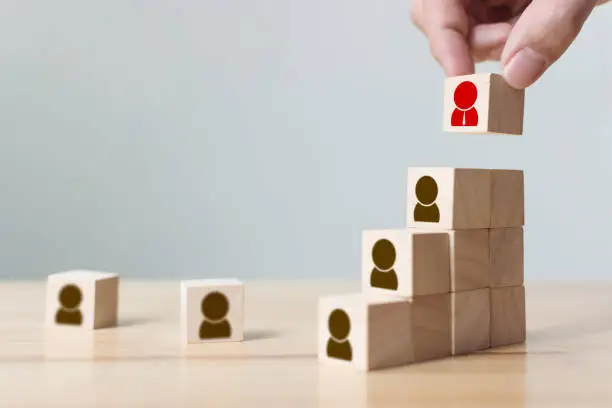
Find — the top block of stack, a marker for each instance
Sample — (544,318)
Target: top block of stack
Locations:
(449,198)
(483,103)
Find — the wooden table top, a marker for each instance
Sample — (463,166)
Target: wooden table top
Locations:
(567,361)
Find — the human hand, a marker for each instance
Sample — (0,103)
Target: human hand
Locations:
(526,36)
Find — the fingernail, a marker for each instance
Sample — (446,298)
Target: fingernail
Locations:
(524,68)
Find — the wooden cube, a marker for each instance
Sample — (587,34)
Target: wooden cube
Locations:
(507,256)
(81,298)
(507,198)
(405,262)
(448,198)
(471,314)
(431,327)
(374,331)
(508,321)
(212,310)
(483,103)
(469,258)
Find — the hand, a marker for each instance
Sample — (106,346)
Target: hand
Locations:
(526,36)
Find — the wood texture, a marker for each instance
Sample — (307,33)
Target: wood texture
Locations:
(203,320)
(470,265)
(471,316)
(469,259)
(431,264)
(82,299)
(506,107)
(508,316)
(463,198)
(142,363)
(500,108)
(417,262)
(377,335)
(431,327)
(507,256)
(507,198)
(385,331)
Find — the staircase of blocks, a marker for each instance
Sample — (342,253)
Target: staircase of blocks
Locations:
(452,281)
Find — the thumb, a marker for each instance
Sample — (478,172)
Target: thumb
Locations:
(540,36)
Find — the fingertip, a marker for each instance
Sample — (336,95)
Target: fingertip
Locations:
(524,68)
(452,52)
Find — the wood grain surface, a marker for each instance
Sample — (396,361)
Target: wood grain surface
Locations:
(141,363)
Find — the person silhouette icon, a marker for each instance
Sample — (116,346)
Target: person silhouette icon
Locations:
(426,210)
(70,298)
(338,345)
(215,307)
(383,275)
(465,114)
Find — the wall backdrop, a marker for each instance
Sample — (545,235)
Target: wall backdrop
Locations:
(173,138)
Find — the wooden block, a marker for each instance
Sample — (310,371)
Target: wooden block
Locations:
(374,331)
(448,198)
(212,310)
(431,327)
(483,103)
(367,331)
(80,298)
(405,263)
(469,259)
(471,313)
(507,256)
(507,198)
(508,321)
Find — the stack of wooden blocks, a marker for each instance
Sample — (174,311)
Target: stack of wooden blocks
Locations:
(451,282)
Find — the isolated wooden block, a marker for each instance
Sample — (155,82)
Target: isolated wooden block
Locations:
(212,310)
(508,321)
(507,198)
(405,262)
(483,103)
(469,259)
(375,331)
(507,256)
(448,198)
(81,298)
(471,314)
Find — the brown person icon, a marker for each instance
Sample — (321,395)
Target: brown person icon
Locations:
(70,298)
(426,209)
(383,275)
(338,345)
(215,307)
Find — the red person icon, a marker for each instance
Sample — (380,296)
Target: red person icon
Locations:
(465,114)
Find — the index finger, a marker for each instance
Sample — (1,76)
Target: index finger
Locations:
(447,26)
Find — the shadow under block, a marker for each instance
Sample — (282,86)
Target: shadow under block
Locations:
(405,263)
(212,310)
(81,298)
(482,103)
(507,198)
(508,322)
(506,246)
(448,198)
(375,331)
(471,314)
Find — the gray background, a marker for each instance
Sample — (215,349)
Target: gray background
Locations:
(256,139)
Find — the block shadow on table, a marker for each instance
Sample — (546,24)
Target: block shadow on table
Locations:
(261,334)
